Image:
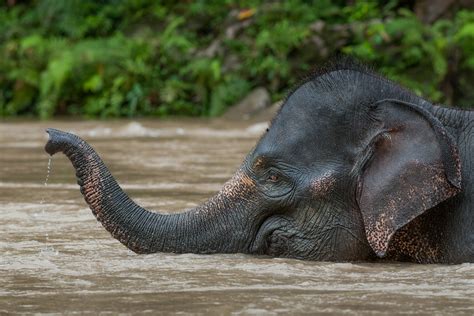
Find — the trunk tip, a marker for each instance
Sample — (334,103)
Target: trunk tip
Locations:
(58,140)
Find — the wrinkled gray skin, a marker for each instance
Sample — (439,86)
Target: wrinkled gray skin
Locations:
(353,168)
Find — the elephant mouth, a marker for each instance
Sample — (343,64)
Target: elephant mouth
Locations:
(267,228)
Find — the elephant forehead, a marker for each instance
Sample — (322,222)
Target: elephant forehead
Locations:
(314,125)
(311,101)
(306,141)
(302,148)
(312,113)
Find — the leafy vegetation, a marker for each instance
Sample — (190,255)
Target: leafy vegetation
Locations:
(114,58)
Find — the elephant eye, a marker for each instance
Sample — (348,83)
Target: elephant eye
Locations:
(273,178)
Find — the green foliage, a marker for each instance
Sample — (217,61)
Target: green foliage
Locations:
(416,54)
(131,58)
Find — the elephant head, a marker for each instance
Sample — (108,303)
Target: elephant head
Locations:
(349,160)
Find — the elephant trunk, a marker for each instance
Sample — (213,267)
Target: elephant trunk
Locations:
(219,225)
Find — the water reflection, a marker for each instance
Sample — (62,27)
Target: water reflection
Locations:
(55,257)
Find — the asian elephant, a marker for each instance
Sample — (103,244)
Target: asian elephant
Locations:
(352,168)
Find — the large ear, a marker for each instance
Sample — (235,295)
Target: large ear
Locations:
(412,165)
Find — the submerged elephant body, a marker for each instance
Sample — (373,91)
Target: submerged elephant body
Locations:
(352,168)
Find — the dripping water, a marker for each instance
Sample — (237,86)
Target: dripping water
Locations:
(47,250)
(50,159)
(48,173)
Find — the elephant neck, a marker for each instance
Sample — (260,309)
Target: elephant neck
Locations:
(456,120)
(460,124)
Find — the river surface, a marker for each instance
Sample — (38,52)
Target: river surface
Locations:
(56,259)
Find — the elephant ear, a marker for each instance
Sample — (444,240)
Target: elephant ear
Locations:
(413,164)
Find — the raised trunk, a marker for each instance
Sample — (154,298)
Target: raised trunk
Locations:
(220,225)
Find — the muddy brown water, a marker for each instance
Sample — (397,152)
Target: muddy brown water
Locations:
(55,258)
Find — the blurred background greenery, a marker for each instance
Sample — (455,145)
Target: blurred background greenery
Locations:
(111,58)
